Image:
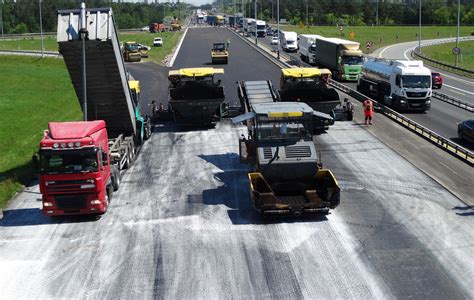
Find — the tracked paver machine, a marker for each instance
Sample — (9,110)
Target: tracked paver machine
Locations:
(309,85)
(195,96)
(287,176)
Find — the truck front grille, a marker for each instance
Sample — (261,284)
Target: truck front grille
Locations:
(416,94)
(297,151)
(71,202)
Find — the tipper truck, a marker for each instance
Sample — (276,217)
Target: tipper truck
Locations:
(310,85)
(342,57)
(287,177)
(401,84)
(195,97)
(80,162)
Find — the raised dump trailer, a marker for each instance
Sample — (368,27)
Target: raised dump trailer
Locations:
(80,162)
(195,97)
(308,85)
(288,178)
(108,93)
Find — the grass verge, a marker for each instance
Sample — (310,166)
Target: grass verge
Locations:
(382,36)
(33,91)
(444,53)
(156,54)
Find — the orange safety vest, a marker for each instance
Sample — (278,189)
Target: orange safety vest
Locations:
(368,106)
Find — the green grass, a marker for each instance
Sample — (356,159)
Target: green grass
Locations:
(156,54)
(445,54)
(33,91)
(384,35)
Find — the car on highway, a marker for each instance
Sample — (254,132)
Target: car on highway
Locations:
(269,31)
(145,28)
(157,42)
(466,130)
(437,80)
(275,40)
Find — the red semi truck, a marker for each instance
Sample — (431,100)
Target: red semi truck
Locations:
(80,162)
(78,167)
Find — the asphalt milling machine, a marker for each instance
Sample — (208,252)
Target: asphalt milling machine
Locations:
(287,176)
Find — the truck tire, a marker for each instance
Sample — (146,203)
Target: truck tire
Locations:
(116,179)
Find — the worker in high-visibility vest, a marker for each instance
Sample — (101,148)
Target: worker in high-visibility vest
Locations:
(368,111)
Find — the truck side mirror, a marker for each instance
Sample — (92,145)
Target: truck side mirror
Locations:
(397,80)
(104,159)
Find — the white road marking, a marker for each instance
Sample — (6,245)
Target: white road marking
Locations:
(456,88)
(454,91)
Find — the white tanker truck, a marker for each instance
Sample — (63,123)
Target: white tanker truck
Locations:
(401,84)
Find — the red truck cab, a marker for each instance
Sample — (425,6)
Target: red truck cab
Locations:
(74,166)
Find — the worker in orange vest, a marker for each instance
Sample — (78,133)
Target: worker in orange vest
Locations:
(368,110)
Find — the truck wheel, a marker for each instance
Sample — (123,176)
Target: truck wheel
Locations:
(116,179)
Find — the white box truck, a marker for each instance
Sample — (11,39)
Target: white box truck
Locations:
(258,27)
(308,47)
(289,41)
(401,84)
(248,24)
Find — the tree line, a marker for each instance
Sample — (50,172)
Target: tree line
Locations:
(22,16)
(357,12)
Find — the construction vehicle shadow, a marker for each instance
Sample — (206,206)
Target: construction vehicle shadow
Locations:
(234,193)
(34,216)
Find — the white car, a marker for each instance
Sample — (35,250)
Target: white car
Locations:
(144,46)
(275,40)
(158,42)
(146,28)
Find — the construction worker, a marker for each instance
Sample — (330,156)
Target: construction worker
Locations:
(368,110)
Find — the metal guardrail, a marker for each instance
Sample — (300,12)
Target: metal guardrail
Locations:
(31,53)
(38,35)
(451,100)
(442,142)
(416,52)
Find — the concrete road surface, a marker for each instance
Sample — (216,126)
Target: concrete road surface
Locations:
(181,225)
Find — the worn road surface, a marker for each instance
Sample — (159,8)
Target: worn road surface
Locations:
(181,225)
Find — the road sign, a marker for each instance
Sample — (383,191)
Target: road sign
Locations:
(352,34)
(456,51)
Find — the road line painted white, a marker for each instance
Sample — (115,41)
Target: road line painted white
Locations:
(454,91)
(177,48)
(456,88)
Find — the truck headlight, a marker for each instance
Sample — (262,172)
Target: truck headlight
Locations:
(403,101)
(428,101)
(95,202)
(47,204)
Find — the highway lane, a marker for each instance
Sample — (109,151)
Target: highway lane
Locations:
(442,118)
(181,225)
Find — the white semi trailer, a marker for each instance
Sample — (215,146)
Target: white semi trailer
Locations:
(401,84)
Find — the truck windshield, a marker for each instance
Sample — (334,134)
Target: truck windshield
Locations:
(352,60)
(68,161)
(290,42)
(416,81)
(281,131)
(260,26)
